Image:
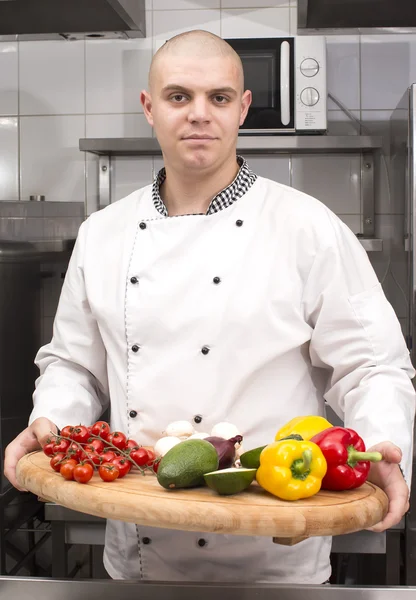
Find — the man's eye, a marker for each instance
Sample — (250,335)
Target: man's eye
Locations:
(178,97)
(221,99)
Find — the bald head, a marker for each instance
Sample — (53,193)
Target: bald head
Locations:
(199,44)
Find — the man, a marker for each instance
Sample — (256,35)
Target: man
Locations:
(218,295)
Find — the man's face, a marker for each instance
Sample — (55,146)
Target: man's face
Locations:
(196,107)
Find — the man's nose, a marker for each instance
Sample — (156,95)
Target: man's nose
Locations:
(200,109)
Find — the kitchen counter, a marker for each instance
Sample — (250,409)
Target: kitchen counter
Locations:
(49,589)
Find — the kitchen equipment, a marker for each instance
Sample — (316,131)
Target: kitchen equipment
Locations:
(72,19)
(403,180)
(49,589)
(356,16)
(287,77)
(253,512)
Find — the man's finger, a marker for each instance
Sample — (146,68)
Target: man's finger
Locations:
(390,452)
(398,506)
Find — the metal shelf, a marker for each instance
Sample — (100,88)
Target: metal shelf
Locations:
(258,144)
(108,148)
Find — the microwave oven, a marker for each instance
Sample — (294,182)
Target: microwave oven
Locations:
(287,78)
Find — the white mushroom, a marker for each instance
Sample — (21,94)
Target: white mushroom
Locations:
(180,429)
(198,436)
(225,430)
(165,444)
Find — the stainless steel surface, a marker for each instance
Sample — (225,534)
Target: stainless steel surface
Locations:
(80,528)
(248,144)
(344,17)
(367,191)
(13,251)
(37,198)
(27,589)
(403,171)
(371,244)
(72,19)
(104,180)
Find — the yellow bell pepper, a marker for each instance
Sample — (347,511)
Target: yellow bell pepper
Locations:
(306,427)
(291,469)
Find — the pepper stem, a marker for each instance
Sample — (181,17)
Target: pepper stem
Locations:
(354,456)
(302,466)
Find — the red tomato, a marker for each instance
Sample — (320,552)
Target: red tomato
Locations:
(48,448)
(108,456)
(123,465)
(152,456)
(61,446)
(93,457)
(140,456)
(101,429)
(108,472)
(67,431)
(118,440)
(98,445)
(156,464)
(67,469)
(56,461)
(132,444)
(80,434)
(74,451)
(83,472)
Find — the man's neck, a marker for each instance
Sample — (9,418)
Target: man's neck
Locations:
(186,194)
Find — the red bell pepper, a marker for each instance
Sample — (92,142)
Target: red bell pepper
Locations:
(348,463)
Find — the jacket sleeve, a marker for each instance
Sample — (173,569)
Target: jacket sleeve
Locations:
(357,338)
(72,387)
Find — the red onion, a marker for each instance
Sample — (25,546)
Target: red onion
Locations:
(225,449)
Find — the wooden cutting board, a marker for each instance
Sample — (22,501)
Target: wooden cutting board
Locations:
(140,499)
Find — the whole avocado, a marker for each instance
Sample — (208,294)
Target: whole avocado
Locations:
(185,465)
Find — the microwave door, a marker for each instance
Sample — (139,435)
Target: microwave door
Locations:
(285,83)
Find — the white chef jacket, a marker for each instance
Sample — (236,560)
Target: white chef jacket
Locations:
(297,318)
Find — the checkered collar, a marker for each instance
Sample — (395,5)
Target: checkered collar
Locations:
(243,181)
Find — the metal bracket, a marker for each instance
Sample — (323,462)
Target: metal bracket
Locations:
(367,187)
(104,180)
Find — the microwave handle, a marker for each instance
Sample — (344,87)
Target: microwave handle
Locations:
(284,83)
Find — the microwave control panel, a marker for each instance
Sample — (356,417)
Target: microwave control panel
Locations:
(310,84)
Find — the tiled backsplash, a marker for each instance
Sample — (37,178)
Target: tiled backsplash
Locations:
(53,93)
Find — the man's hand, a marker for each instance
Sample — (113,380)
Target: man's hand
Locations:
(32,438)
(386,475)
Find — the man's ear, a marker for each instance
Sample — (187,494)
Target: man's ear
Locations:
(245,105)
(146,101)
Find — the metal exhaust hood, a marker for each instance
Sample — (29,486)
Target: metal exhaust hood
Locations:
(356,16)
(72,19)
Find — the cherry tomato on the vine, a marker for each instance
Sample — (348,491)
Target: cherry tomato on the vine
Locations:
(48,448)
(151,455)
(108,456)
(140,456)
(108,472)
(132,444)
(123,465)
(61,446)
(56,461)
(67,431)
(156,464)
(98,445)
(80,434)
(118,439)
(83,472)
(67,469)
(93,457)
(101,429)
(75,451)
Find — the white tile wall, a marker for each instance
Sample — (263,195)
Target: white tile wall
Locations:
(8,79)
(51,78)
(51,163)
(116,72)
(9,182)
(343,64)
(255,22)
(185,4)
(169,23)
(388,66)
